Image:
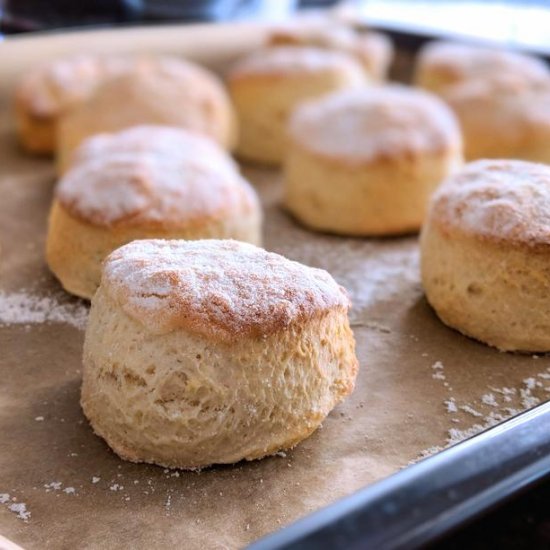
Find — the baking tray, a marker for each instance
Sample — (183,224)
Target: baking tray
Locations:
(421,386)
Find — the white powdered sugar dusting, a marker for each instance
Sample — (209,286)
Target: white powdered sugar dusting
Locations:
(25,308)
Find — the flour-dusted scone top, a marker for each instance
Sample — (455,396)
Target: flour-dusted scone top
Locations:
(503,116)
(442,64)
(52,88)
(375,124)
(504,201)
(217,289)
(152,175)
(47,92)
(165,91)
(372,49)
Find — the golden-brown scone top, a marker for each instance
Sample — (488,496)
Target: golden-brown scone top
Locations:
(500,200)
(154,176)
(372,49)
(379,123)
(164,91)
(219,289)
(441,64)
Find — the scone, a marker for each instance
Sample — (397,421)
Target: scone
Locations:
(267,85)
(211,352)
(365,162)
(503,117)
(372,49)
(486,254)
(165,91)
(442,64)
(144,182)
(50,90)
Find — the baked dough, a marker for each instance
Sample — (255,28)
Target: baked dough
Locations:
(210,352)
(372,49)
(144,182)
(503,116)
(48,91)
(268,84)
(364,162)
(441,64)
(164,91)
(486,254)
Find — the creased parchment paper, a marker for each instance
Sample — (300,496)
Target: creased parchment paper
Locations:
(420,386)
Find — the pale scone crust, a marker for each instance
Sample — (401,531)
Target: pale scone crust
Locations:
(266,87)
(366,162)
(484,254)
(184,401)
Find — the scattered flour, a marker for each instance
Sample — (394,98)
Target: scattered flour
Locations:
(53,486)
(523,398)
(489,399)
(450,404)
(26,308)
(470,410)
(20,508)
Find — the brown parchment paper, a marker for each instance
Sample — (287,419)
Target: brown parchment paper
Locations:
(414,373)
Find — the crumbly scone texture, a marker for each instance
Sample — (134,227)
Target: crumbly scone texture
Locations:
(49,90)
(267,85)
(366,162)
(372,49)
(178,395)
(145,182)
(166,91)
(441,64)
(485,254)
(503,116)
